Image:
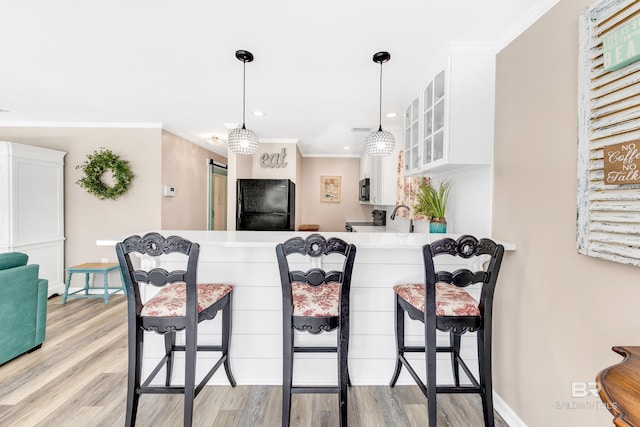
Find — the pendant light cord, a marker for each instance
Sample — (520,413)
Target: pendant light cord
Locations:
(244,79)
(380,114)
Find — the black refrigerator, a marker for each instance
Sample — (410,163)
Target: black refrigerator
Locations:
(265,204)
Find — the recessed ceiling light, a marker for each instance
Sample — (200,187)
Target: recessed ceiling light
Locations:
(347,148)
(258,113)
(390,115)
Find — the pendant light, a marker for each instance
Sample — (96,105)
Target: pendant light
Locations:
(243,140)
(380,143)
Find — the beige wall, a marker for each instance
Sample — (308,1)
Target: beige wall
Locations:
(185,166)
(557,313)
(87,218)
(331,216)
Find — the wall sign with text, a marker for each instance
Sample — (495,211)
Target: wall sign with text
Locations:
(274,160)
(622,163)
(621,46)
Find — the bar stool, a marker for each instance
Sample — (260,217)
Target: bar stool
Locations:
(315,301)
(181,304)
(442,304)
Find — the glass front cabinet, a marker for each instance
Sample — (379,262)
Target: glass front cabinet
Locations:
(412,136)
(451,124)
(433,121)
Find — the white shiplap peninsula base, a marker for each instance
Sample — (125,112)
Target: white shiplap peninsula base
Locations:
(247,260)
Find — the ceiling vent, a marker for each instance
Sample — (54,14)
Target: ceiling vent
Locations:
(361,129)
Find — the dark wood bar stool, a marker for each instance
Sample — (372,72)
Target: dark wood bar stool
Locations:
(442,304)
(315,301)
(181,304)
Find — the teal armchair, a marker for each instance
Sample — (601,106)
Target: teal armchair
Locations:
(23,306)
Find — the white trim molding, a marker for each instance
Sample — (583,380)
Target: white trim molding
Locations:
(508,415)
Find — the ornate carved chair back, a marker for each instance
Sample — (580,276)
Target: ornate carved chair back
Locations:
(154,245)
(485,256)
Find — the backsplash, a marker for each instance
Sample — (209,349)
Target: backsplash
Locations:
(407,188)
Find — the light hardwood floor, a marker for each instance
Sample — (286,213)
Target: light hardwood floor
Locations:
(78,379)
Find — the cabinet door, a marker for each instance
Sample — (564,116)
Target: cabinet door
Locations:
(407,139)
(438,116)
(433,117)
(412,150)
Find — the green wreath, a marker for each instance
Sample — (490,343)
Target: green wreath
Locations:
(96,165)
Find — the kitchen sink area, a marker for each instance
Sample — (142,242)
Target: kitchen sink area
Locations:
(376,225)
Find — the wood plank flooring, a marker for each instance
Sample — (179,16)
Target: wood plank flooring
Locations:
(78,379)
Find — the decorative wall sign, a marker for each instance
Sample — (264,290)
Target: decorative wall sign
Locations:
(274,160)
(621,163)
(608,217)
(330,188)
(622,46)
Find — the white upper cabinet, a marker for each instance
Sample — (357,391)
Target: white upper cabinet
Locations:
(454,126)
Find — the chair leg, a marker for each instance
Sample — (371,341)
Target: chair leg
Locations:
(190,354)
(169,343)
(343,370)
(484,362)
(287,369)
(399,324)
(226,339)
(454,341)
(430,350)
(135,343)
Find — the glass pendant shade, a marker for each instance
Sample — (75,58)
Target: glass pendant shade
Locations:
(380,143)
(243,141)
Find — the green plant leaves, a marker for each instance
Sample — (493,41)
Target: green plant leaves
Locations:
(96,165)
(431,201)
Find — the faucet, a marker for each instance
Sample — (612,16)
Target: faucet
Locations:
(393,215)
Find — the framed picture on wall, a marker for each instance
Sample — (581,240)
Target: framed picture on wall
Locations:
(330,188)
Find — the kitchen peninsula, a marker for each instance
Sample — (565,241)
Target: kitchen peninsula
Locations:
(247,260)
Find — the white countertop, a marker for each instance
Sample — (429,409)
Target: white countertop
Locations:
(371,229)
(361,239)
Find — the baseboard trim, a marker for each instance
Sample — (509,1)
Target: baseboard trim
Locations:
(508,415)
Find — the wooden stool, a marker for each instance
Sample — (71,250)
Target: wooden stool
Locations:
(91,268)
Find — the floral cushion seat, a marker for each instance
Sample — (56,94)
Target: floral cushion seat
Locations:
(450,299)
(171,300)
(315,301)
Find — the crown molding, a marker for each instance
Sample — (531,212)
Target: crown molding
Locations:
(520,26)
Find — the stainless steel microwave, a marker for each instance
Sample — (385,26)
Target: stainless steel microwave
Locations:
(364,190)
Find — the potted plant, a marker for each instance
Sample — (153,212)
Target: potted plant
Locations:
(431,201)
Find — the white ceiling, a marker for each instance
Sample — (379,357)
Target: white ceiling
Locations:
(173,62)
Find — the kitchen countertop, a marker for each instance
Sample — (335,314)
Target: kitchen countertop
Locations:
(255,239)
